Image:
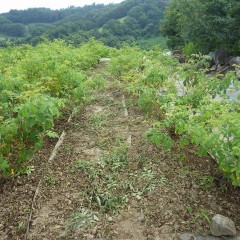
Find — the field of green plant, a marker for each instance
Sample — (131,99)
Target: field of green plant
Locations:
(183,100)
(37,83)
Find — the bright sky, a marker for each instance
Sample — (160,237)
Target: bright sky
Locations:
(7,5)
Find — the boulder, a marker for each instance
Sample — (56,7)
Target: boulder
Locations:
(222,226)
(220,57)
(234,61)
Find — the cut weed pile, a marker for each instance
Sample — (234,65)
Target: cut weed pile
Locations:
(101,186)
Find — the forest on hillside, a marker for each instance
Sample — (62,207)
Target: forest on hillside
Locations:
(194,26)
(113,24)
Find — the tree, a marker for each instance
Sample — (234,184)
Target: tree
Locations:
(132,26)
(130,19)
(170,26)
(206,24)
(14,29)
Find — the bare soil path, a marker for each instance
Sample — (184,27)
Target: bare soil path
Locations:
(107,182)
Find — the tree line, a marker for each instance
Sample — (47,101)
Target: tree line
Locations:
(113,24)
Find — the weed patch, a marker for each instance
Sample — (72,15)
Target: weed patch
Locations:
(114,180)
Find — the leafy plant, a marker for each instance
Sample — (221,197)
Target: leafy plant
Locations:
(50,180)
(36,84)
(99,120)
(52,134)
(206,181)
(185,102)
(111,182)
(203,215)
(81,220)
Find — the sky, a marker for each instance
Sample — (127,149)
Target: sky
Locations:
(7,5)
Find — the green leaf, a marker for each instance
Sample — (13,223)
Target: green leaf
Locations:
(167,143)
(183,142)
(4,165)
(202,152)
(52,134)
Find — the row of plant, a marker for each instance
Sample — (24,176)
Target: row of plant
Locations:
(188,104)
(36,85)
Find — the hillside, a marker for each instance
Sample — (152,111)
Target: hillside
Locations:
(114,24)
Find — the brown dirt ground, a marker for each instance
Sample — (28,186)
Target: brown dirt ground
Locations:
(182,196)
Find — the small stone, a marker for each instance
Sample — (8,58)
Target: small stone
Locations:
(110,219)
(187,236)
(222,226)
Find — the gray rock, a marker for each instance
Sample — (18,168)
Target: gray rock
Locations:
(104,60)
(234,60)
(222,226)
(187,236)
(220,57)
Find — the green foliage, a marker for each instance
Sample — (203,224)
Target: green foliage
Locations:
(113,24)
(81,220)
(187,104)
(36,84)
(114,179)
(127,58)
(50,180)
(151,42)
(203,216)
(52,134)
(206,182)
(189,49)
(4,166)
(207,25)
(159,138)
(37,114)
